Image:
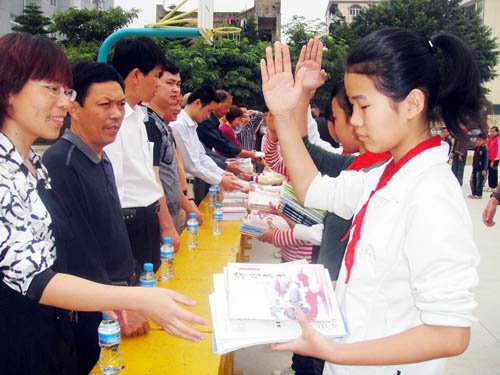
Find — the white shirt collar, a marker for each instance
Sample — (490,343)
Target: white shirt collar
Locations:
(136,110)
(397,186)
(185,117)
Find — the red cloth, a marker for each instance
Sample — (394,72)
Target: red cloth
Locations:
(390,170)
(229,134)
(493,148)
(368,159)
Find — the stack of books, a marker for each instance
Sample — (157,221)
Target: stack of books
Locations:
(256,222)
(255,304)
(233,213)
(260,200)
(291,208)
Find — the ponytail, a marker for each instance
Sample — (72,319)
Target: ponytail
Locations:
(443,67)
(460,98)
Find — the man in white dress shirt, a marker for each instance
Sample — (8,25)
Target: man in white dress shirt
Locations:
(140,62)
(194,158)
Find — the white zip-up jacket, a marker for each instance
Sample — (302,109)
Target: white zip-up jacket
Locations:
(415,262)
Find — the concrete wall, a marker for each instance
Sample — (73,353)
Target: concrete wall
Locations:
(344,8)
(491,12)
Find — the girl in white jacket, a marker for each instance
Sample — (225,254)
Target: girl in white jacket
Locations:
(405,285)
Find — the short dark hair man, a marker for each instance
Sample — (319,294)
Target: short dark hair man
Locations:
(210,135)
(141,62)
(195,160)
(159,115)
(82,175)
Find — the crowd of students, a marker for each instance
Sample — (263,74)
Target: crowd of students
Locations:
(78,224)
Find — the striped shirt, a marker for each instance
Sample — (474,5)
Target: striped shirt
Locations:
(272,155)
(246,137)
(291,248)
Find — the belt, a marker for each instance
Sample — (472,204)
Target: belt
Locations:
(129,282)
(131,212)
(73,315)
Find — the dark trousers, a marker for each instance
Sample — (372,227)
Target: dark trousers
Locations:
(86,340)
(476,182)
(200,189)
(144,233)
(457,167)
(303,365)
(493,174)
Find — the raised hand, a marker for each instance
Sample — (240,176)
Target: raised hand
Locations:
(310,59)
(281,91)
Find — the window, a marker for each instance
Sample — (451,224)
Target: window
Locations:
(53,2)
(354,10)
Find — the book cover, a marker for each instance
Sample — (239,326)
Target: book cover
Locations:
(270,292)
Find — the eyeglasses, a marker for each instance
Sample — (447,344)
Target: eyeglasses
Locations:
(58,90)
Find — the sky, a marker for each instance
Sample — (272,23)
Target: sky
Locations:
(289,8)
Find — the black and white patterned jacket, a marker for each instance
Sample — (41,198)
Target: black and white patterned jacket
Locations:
(26,242)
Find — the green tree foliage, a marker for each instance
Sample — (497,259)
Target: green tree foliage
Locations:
(250,30)
(94,25)
(84,30)
(425,17)
(231,65)
(297,33)
(32,21)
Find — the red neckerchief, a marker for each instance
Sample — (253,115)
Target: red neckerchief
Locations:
(390,170)
(367,160)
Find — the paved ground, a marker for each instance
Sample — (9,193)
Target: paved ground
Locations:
(483,354)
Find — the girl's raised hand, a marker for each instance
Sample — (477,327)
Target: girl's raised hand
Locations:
(280,90)
(310,58)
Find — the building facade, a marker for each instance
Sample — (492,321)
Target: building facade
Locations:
(490,9)
(267,15)
(348,9)
(9,9)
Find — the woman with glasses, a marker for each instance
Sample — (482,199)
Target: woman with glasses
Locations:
(35,95)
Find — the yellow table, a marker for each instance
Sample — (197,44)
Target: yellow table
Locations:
(160,353)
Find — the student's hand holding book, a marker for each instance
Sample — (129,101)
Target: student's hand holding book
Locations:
(311,343)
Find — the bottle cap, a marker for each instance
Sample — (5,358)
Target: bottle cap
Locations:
(167,240)
(217,205)
(105,317)
(192,215)
(148,266)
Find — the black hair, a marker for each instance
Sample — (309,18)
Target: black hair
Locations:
(339,93)
(482,136)
(234,113)
(171,67)
(205,93)
(87,73)
(495,128)
(222,95)
(139,52)
(442,66)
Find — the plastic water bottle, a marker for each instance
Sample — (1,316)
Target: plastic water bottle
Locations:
(192,231)
(212,196)
(218,198)
(167,260)
(147,278)
(217,220)
(110,360)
